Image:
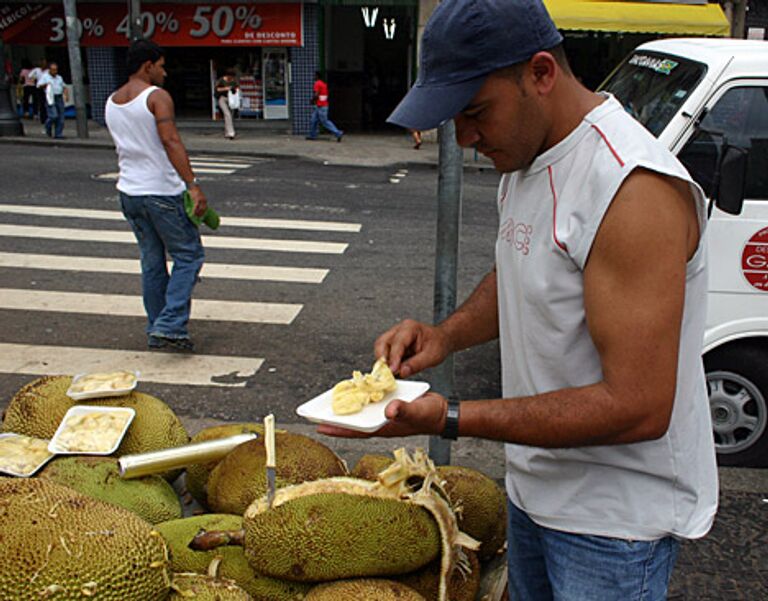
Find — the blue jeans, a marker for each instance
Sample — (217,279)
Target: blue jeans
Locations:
(55,116)
(161,226)
(550,565)
(320,115)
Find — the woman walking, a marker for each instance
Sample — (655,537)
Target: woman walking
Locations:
(223,87)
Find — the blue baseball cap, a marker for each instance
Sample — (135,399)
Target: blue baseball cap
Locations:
(464,41)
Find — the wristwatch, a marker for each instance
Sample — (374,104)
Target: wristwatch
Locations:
(194,182)
(451,426)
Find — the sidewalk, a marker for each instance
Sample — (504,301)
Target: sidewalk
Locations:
(272,140)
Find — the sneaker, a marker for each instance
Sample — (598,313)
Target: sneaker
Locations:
(340,136)
(158,341)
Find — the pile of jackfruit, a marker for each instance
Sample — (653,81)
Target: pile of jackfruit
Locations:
(393,528)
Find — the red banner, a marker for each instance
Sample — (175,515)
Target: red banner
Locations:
(165,24)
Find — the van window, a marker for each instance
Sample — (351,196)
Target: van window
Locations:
(741,115)
(652,86)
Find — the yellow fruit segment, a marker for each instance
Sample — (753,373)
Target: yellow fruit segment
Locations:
(104,382)
(350,396)
(22,454)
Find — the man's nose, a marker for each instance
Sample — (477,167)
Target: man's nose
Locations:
(466,135)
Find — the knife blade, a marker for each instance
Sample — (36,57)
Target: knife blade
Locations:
(269,445)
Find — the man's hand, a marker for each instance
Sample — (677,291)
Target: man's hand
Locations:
(201,204)
(420,344)
(424,415)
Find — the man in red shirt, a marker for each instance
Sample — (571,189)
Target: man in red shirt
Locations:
(320,112)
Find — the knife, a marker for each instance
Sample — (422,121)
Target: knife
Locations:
(269,445)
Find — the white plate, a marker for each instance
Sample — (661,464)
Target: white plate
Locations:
(102,393)
(7,470)
(77,410)
(370,419)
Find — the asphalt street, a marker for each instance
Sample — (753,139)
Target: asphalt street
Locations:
(312,262)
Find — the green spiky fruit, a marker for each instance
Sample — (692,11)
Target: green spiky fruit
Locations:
(197,475)
(59,544)
(151,497)
(364,588)
(234,566)
(199,587)
(240,477)
(464,582)
(369,466)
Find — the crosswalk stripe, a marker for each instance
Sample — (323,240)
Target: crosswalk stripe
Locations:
(132,306)
(231,242)
(302,275)
(281,224)
(159,367)
(196,163)
(211,171)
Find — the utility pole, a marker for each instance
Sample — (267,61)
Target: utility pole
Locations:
(736,12)
(10,125)
(76,66)
(134,20)
(449,182)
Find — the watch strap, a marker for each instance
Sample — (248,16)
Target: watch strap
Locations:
(451,427)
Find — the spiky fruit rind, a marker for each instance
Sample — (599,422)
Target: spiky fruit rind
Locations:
(151,497)
(339,534)
(38,407)
(234,565)
(369,466)
(197,475)
(463,585)
(199,587)
(483,506)
(364,588)
(240,477)
(62,545)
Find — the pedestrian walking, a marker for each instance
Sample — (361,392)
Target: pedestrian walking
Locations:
(28,89)
(154,174)
(36,75)
(226,87)
(416,137)
(610,459)
(320,111)
(56,96)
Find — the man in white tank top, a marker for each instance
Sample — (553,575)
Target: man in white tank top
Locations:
(154,174)
(598,297)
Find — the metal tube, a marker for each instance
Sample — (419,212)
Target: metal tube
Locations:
(134,20)
(155,462)
(76,66)
(10,124)
(451,163)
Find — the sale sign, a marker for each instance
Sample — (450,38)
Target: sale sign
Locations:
(165,24)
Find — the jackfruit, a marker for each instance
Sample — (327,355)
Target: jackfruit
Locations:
(197,475)
(369,589)
(463,584)
(240,477)
(151,497)
(59,544)
(38,408)
(341,528)
(234,566)
(199,587)
(481,503)
(350,396)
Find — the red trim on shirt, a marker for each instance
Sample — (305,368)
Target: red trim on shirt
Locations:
(611,148)
(554,211)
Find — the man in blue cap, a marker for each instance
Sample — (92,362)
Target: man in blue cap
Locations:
(598,298)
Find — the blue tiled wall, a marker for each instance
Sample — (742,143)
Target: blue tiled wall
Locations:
(304,63)
(106,72)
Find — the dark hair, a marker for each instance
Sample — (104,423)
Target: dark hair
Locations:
(140,52)
(515,71)
(318,75)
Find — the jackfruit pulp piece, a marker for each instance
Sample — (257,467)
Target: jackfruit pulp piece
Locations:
(234,566)
(364,588)
(240,478)
(350,396)
(66,546)
(151,497)
(196,476)
(200,587)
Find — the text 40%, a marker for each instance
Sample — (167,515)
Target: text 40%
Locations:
(150,22)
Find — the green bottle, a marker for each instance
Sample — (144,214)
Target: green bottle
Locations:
(209,218)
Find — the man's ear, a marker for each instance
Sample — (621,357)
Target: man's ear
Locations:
(544,70)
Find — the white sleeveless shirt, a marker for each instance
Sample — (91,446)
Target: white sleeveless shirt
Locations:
(549,216)
(145,169)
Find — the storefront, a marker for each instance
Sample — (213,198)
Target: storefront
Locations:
(271,46)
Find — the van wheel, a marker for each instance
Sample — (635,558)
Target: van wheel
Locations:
(737,382)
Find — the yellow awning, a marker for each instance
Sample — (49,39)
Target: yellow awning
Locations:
(639,17)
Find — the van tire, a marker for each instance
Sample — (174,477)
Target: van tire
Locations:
(737,382)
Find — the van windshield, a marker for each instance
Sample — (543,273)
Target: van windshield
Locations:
(653,86)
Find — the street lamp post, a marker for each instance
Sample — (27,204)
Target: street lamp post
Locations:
(76,67)
(10,124)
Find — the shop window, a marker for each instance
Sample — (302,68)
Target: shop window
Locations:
(741,116)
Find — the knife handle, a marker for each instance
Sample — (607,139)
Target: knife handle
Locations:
(269,439)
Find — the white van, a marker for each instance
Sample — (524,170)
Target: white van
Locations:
(707,99)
